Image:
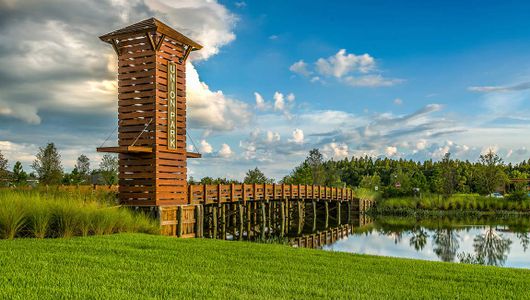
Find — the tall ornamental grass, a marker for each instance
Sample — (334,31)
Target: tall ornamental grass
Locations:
(45,214)
(457,202)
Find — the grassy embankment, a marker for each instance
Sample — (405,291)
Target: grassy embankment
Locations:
(139,266)
(42,213)
(458,203)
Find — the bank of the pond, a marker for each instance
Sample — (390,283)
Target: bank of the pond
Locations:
(137,266)
(459,204)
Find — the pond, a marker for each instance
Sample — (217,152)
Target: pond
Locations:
(486,240)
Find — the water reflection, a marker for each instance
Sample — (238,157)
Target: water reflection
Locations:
(486,240)
(446,244)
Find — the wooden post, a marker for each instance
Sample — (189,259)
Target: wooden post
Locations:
(314,207)
(299,218)
(282,218)
(349,212)
(248,219)
(214,222)
(241,213)
(179,220)
(197,221)
(338,213)
(223,220)
(326,209)
(263,218)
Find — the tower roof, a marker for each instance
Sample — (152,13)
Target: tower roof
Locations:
(148,25)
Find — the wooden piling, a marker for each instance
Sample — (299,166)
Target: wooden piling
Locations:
(338,212)
(179,220)
(214,222)
(241,214)
(314,209)
(326,209)
(282,218)
(223,220)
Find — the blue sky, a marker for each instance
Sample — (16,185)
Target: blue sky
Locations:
(277,78)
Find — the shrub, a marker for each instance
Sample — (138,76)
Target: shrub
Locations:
(55,213)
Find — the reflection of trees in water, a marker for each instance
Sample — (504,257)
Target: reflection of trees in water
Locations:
(396,233)
(418,240)
(446,244)
(525,240)
(492,247)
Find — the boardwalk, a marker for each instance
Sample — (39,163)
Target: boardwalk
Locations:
(208,194)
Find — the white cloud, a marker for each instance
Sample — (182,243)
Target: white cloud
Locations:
(421,144)
(298,136)
(335,150)
(225,151)
(491,89)
(206,147)
(279,102)
(290,97)
(212,109)
(273,136)
(391,150)
(261,104)
(398,101)
(347,68)
(300,67)
(341,64)
(370,81)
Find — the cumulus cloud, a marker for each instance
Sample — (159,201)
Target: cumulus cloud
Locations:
(273,136)
(212,110)
(225,151)
(205,147)
(398,101)
(279,102)
(261,104)
(343,63)
(348,68)
(298,136)
(300,67)
(391,150)
(335,150)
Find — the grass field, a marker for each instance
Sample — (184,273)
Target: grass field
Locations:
(138,266)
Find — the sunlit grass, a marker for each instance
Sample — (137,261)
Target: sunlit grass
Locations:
(45,214)
(138,266)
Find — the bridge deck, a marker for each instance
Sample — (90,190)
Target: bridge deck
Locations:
(220,193)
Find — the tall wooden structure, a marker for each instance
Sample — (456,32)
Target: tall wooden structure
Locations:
(152,113)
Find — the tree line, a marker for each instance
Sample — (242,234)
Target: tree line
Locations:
(392,177)
(399,177)
(48,170)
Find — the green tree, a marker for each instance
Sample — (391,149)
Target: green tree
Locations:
(3,168)
(108,168)
(48,166)
(315,162)
(448,179)
(490,173)
(370,181)
(82,169)
(19,176)
(256,176)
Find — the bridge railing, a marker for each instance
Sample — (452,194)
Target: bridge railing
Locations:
(222,193)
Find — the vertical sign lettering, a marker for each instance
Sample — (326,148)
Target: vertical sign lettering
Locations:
(172,105)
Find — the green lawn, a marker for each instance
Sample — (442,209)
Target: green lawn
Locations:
(138,266)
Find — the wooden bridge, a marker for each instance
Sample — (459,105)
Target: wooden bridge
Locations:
(208,194)
(262,208)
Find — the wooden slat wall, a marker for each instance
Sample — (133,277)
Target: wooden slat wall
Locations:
(171,165)
(222,193)
(157,178)
(136,108)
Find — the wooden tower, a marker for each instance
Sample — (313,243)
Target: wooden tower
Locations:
(152,113)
